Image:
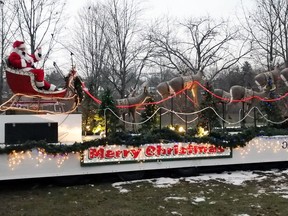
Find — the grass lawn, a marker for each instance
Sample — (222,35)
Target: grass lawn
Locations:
(237,193)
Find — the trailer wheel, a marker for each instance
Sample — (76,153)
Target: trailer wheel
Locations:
(130,176)
(186,172)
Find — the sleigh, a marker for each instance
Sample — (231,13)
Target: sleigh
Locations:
(27,97)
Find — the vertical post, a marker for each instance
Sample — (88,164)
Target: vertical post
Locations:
(160,118)
(223,114)
(106,122)
(171,114)
(124,120)
(186,117)
(255,123)
(2,50)
(242,115)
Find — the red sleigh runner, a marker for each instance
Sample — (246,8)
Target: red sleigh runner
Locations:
(27,97)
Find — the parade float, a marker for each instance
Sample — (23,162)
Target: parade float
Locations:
(41,132)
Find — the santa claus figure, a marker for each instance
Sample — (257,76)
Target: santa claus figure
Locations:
(20,59)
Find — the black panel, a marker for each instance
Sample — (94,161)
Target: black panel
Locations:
(17,133)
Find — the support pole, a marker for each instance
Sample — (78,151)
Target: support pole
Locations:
(242,115)
(186,117)
(106,122)
(160,118)
(223,114)
(171,114)
(255,116)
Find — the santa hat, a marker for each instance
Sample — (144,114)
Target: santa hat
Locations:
(19,45)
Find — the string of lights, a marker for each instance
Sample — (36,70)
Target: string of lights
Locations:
(183,91)
(262,115)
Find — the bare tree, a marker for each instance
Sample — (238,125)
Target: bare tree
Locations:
(202,44)
(165,52)
(127,51)
(91,50)
(267,25)
(90,45)
(39,22)
(8,14)
(109,45)
(281,11)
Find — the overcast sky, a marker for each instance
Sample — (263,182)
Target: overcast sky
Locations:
(176,8)
(186,8)
(182,8)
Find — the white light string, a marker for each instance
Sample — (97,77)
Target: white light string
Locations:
(195,113)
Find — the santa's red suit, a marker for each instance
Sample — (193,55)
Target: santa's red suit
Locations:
(20,59)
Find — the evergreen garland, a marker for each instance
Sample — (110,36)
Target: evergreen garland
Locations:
(157,136)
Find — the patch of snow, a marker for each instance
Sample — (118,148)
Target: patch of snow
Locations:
(262,178)
(175,198)
(256,206)
(279,178)
(241,215)
(165,182)
(157,182)
(255,195)
(282,190)
(123,190)
(261,191)
(199,199)
(284,171)
(235,178)
(118,185)
(272,171)
(176,213)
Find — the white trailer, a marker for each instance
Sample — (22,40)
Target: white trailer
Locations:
(125,159)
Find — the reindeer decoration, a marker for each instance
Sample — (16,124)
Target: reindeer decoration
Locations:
(239,93)
(131,93)
(284,75)
(134,101)
(224,96)
(166,89)
(263,80)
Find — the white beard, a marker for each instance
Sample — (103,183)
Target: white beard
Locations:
(24,55)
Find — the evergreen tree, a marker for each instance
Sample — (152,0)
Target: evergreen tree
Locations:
(150,109)
(107,110)
(248,76)
(208,118)
(271,109)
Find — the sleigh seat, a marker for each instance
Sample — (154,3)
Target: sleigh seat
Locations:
(28,98)
(22,82)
